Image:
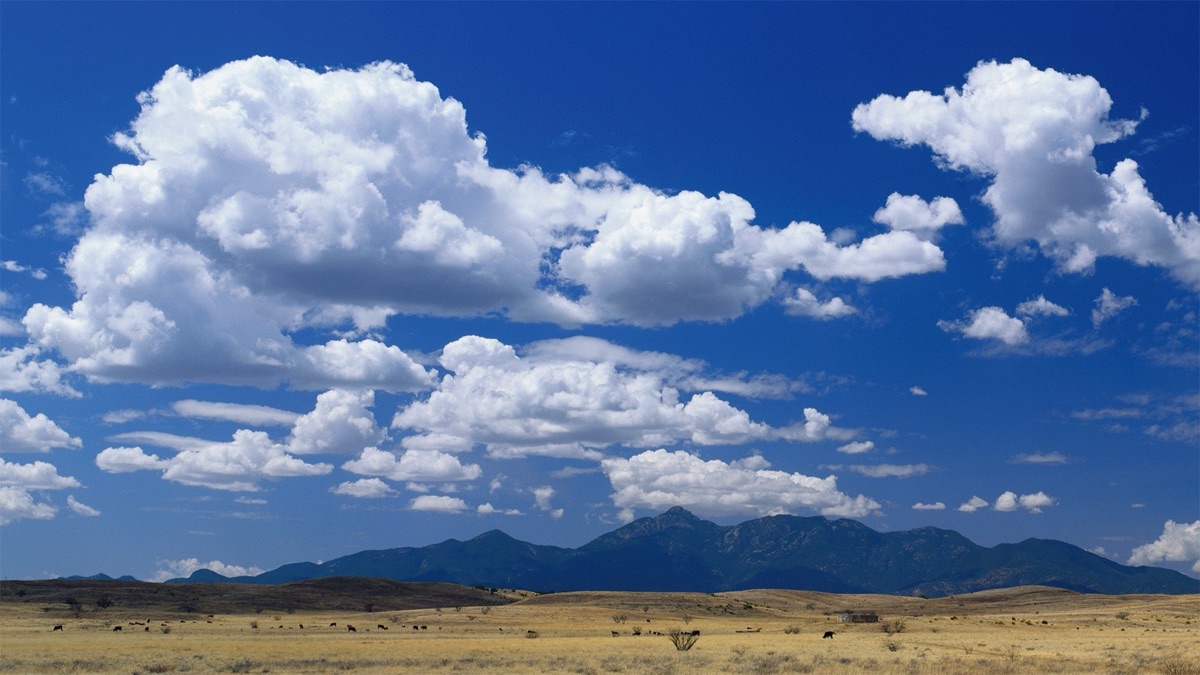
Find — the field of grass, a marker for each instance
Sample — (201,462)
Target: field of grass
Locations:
(1025,630)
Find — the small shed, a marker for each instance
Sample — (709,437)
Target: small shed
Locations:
(858,616)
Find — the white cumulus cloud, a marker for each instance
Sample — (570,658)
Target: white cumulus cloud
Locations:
(1179,542)
(802,302)
(659,479)
(910,212)
(989,323)
(973,504)
(857,447)
(16,503)
(1033,133)
(412,465)
(438,503)
(1034,503)
(20,432)
(236,465)
(341,423)
(35,476)
(571,399)
(936,506)
(363,488)
(331,200)
(23,370)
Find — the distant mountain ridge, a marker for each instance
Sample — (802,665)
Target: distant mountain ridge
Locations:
(96,577)
(677,551)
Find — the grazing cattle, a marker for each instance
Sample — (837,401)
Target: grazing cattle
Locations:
(616,634)
(828,634)
(147,629)
(116,629)
(416,627)
(58,627)
(350,628)
(301,626)
(381,627)
(332,625)
(424,627)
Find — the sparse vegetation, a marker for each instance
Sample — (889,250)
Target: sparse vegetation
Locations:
(1176,664)
(893,627)
(994,632)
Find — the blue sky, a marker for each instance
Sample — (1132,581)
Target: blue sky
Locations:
(287,281)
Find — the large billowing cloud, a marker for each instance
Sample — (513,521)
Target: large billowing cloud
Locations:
(266,198)
(1033,133)
(342,422)
(575,397)
(1179,542)
(658,480)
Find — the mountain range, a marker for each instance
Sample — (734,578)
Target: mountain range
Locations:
(677,551)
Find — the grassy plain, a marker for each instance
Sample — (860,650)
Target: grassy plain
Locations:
(1024,630)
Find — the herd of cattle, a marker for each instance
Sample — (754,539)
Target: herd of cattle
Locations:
(416,627)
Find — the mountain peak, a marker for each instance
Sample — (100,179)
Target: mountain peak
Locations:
(678,513)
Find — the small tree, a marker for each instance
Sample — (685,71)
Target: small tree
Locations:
(683,640)
(104,602)
(620,618)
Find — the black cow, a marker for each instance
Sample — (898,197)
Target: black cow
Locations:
(828,634)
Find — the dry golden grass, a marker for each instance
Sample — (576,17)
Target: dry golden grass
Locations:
(1028,630)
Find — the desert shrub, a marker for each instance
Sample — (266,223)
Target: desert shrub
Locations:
(792,630)
(166,630)
(254,624)
(531,634)
(683,640)
(620,618)
(771,663)
(160,668)
(1122,615)
(892,627)
(893,647)
(1175,664)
